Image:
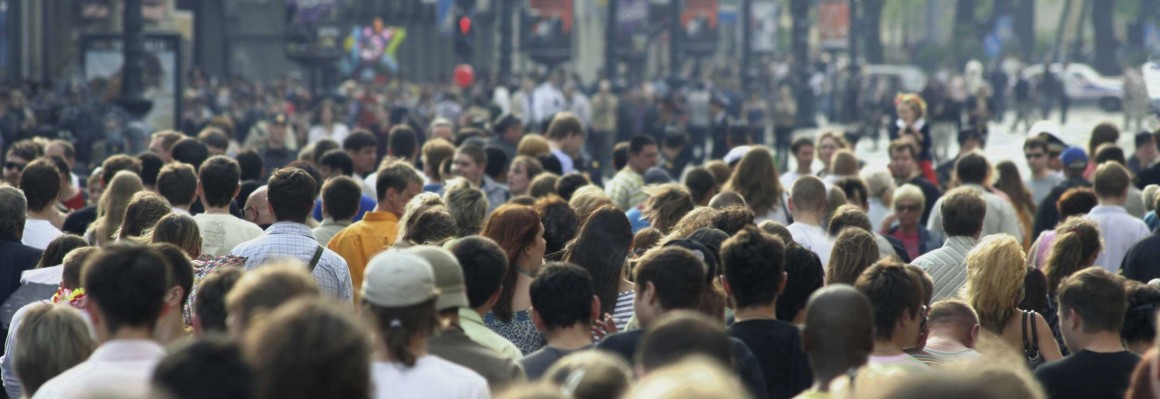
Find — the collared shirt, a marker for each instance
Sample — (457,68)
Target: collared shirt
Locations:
(813,238)
(1120,231)
(455,346)
(329,227)
(180,211)
(296,241)
(1000,217)
(567,164)
(626,189)
(497,194)
(359,242)
(472,324)
(947,266)
(118,368)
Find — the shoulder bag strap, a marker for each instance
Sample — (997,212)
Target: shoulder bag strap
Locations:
(316,258)
(1034,334)
(1023,327)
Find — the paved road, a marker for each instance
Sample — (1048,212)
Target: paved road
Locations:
(1003,143)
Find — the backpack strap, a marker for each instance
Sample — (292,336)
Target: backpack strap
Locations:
(316,258)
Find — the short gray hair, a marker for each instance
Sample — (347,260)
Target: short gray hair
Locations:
(13,206)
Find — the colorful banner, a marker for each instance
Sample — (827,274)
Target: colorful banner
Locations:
(700,28)
(547,30)
(834,24)
(763,26)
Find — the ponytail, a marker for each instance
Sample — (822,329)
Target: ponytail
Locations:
(1076,241)
(397,326)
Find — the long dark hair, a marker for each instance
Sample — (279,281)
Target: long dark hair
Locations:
(1010,183)
(601,247)
(396,326)
(514,228)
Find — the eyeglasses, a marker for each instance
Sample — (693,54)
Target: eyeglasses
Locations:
(907,208)
(14,165)
(1034,155)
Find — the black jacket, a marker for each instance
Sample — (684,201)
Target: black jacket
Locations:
(1140,262)
(17,258)
(1046,215)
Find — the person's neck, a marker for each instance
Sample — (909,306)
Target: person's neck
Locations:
(216,210)
(383,207)
(887,347)
(828,368)
(44,214)
(807,218)
(450,320)
(68,191)
(942,341)
(804,170)
(756,312)
(1102,342)
(913,174)
(1113,201)
(1041,173)
(576,336)
(183,207)
(417,346)
(476,182)
(170,328)
(128,333)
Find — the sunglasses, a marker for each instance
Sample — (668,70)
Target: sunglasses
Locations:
(907,208)
(1033,155)
(14,165)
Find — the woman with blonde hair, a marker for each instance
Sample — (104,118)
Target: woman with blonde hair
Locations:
(430,226)
(467,204)
(905,223)
(829,142)
(994,288)
(143,212)
(436,156)
(1008,181)
(417,204)
(764,194)
(533,145)
(880,194)
(696,219)
(913,127)
(666,205)
(111,209)
(1076,246)
(587,200)
(52,339)
(854,251)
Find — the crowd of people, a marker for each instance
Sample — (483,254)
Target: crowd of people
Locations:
(391,243)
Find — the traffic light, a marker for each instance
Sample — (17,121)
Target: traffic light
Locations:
(464,38)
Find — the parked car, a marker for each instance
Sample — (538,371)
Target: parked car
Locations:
(1082,83)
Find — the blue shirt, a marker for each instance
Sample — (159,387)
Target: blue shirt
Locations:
(637,219)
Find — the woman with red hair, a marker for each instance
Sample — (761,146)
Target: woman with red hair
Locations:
(518,230)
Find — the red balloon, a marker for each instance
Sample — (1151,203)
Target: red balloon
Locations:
(464,76)
(464,25)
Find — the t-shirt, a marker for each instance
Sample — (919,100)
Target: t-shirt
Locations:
(813,238)
(623,310)
(778,348)
(964,355)
(909,241)
(220,233)
(538,362)
(1087,374)
(1041,188)
(39,233)
(901,362)
(430,377)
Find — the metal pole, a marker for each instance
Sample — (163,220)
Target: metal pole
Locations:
(133,50)
(610,43)
(746,43)
(853,35)
(505,42)
(676,33)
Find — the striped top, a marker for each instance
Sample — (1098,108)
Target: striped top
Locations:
(623,310)
(947,266)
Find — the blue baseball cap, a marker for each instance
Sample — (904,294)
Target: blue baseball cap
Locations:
(1074,158)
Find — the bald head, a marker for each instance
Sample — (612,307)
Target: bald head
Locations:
(839,331)
(257,208)
(726,199)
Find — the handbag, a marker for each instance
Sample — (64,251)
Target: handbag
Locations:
(1031,346)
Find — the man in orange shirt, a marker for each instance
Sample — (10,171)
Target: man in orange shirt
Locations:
(396,184)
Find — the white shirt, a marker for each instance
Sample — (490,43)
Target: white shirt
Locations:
(431,377)
(180,211)
(220,233)
(788,178)
(118,368)
(1000,217)
(878,211)
(1119,231)
(318,132)
(38,233)
(547,100)
(567,165)
(580,106)
(814,239)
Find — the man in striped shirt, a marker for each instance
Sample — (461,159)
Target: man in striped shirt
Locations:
(963,210)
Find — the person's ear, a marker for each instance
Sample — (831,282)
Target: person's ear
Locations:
(972,337)
(781,285)
(789,204)
(650,293)
(538,321)
(173,296)
(725,286)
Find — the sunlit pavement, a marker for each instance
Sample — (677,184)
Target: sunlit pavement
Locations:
(1003,144)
